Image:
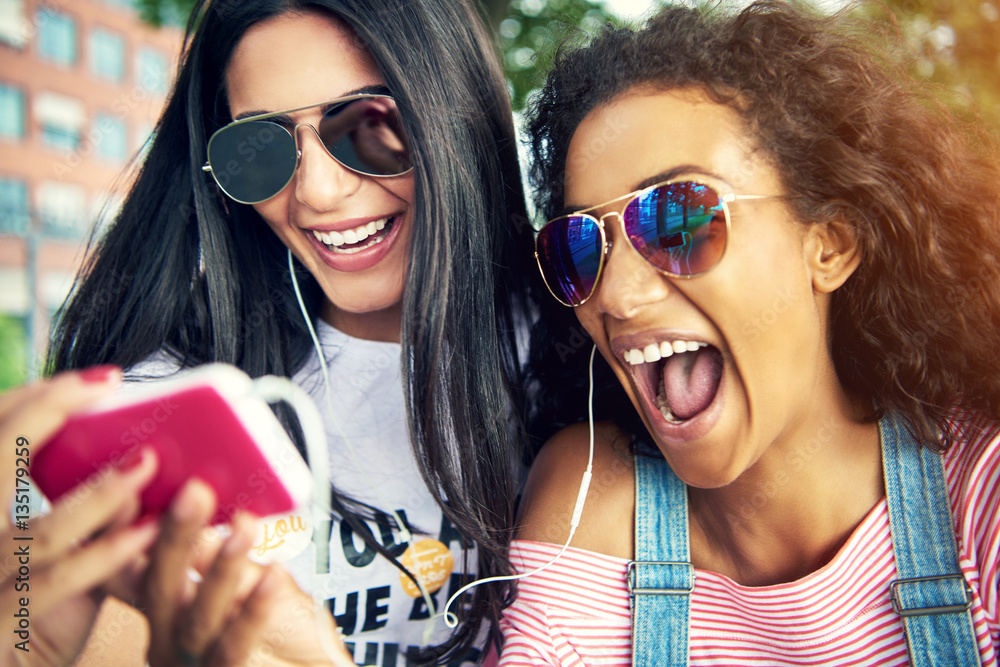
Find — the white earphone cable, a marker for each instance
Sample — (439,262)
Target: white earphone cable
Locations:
(449,618)
(404,531)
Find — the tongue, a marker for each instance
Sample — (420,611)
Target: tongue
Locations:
(691,380)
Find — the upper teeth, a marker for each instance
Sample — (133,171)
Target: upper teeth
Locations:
(355,235)
(655,352)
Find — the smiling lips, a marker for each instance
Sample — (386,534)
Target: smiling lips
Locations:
(680,378)
(357,248)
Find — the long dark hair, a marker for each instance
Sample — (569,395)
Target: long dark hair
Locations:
(171,276)
(915,328)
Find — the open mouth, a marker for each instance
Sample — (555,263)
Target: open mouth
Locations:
(679,377)
(355,240)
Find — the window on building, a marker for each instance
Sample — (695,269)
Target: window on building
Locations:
(62,209)
(110,141)
(14,297)
(56,36)
(13,206)
(151,70)
(54,287)
(12,124)
(61,120)
(13,23)
(107,54)
(60,137)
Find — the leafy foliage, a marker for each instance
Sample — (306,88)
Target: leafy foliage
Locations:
(13,352)
(164,12)
(529,31)
(953,45)
(532,31)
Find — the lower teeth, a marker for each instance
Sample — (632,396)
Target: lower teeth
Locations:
(353,248)
(661,403)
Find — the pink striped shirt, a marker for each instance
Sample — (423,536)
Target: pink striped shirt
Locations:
(576,612)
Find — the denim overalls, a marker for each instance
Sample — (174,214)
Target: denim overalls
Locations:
(930,592)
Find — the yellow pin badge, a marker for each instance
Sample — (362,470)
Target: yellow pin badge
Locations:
(431,562)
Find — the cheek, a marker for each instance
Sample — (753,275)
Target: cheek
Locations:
(590,320)
(273,211)
(784,302)
(769,296)
(592,323)
(777,336)
(274,215)
(402,187)
(770,314)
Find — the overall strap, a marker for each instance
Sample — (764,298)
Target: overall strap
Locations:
(931,593)
(661,577)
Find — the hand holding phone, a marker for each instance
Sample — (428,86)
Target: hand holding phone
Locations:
(211,422)
(74,551)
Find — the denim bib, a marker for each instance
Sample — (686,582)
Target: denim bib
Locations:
(930,593)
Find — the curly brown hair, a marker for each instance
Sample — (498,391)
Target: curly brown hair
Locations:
(915,328)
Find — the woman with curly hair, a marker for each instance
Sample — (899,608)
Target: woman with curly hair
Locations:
(788,259)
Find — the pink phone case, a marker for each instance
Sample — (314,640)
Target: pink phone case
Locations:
(205,423)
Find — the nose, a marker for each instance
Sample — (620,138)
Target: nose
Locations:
(629,283)
(320,181)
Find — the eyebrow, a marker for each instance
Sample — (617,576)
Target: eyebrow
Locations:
(374,89)
(668,175)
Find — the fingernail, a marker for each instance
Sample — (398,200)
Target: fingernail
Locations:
(132,458)
(99,374)
(186,505)
(244,528)
(144,531)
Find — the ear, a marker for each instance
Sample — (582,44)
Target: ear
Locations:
(832,253)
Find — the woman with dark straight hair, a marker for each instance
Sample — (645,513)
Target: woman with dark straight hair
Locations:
(369,145)
(788,256)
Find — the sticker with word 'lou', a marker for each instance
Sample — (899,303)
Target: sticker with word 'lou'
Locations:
(281,537)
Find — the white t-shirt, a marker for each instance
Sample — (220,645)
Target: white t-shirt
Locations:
(379,610)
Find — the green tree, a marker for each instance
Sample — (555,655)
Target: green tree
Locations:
(532,30)
(528,31)
(165,12)
(13,352)
(954,45)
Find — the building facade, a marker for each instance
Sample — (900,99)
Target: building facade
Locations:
(82,83)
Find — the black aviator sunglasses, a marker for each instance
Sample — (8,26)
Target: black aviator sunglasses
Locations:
(253,159)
